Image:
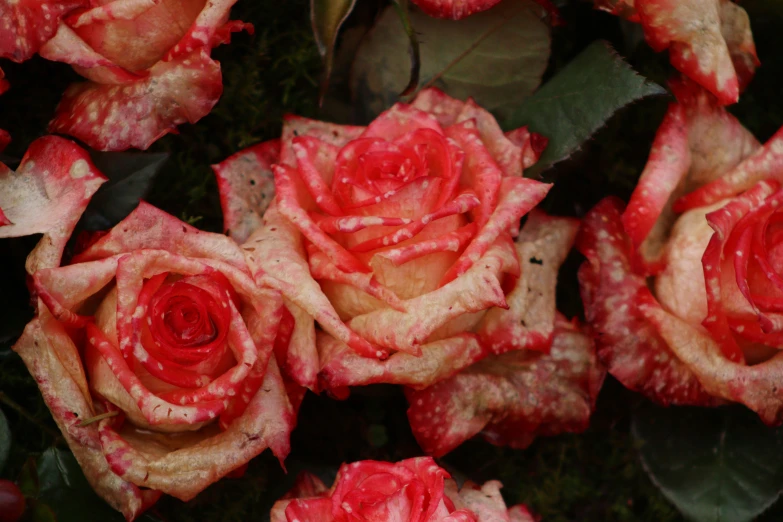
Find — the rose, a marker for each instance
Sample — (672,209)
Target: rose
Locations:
(411,490)
(397,240)
(704,329)
(147,63)
(710,41)
(395,237)
(153,347)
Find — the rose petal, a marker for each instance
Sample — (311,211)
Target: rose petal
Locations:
(764,163)
(484,501)
(666,167)
(301,362)
(47,195)
(342,367)
(511,397)
(517,197)
(454,9)
(148,227)
(27,24)
(691,30)
(477,290)
(735,28)
(627,344)
(399,120)
(531,143)
(506,153)
(266,423)
(206,29)
(311,154)
(755,386)
(54,362)
(118,117)
(246,185)
(436,102)
(330,133)
(450,242)
(529,321)
(277,258)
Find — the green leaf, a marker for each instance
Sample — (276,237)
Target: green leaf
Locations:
(327,16)
(130,177)
(66,491)
(579,100)
(5,440)
(715,465)
(413,49)
(497,56)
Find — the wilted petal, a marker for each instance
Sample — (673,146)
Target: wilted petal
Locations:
(512,397)
(136,114)
(47,195)
(247,186)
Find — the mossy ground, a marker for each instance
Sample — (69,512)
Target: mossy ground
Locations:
(595,476)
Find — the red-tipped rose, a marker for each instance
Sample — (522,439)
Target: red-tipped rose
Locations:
(683,287)
(153,347)
(398,240)
(710,41)
(147,62)
(413,490)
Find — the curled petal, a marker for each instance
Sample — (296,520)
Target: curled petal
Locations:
(629,346)
(518,196)
(247,186)
(450,242)
(477,290)
(186,471)
(532,145)
(764,163)
(691,30)
(47,195)
(54,362)
(441,359)
(25,25)
(666,168)
(136,114)
(512,397)
(208,30)
(277,257)
(330,133)
(528,323)
(148,227)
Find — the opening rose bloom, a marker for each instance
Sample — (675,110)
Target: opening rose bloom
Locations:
(411,490)
(710,41)
(153,347)
(704,223)
(397,239)
(148,62)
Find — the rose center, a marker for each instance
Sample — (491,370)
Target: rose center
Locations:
(188,321)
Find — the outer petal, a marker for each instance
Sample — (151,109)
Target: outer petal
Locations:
(118,117)
(627,343)
(47,195)
(529,321)
(454,9)
(342,367)
(511,397)
(691,29)
(247,186)
(485,500)
(54,362)
(25,25)
(183,473)
(148,227)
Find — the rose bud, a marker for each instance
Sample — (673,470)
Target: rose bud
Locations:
(709,41)
(153,347)
(147,63)
(683,286)
(411,490)
(398,240)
